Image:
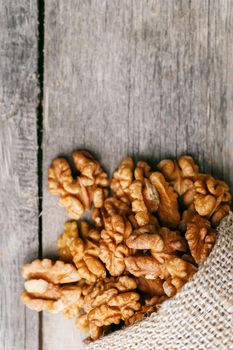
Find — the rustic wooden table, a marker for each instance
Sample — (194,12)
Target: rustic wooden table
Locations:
(148,78)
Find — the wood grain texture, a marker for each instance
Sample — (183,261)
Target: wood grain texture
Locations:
(18,175)
(149,79)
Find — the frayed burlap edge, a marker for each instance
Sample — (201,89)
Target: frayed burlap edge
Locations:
(199,317)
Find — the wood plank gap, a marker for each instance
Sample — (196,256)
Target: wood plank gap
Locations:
(40,68)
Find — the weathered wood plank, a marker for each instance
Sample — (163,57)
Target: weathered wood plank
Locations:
(18,175)
(145,78)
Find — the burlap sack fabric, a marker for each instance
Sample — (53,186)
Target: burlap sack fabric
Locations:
(200,316)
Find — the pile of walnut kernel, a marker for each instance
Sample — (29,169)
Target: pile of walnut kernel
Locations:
(145,241)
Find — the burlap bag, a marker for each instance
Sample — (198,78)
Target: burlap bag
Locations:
(200,316)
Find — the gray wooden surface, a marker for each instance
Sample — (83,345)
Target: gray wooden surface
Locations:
(18,171)
(145,78)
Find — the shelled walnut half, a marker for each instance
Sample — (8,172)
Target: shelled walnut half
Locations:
(113,249)
(181,175)
(80,193)
(200,237)
(83,250)
(211,198)
(111,206)
(160,241)
(168,212)
(180,271)
(175,271)
(108,302)
(132,185)
(47,287)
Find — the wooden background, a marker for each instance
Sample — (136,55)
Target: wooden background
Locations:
(148,78)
